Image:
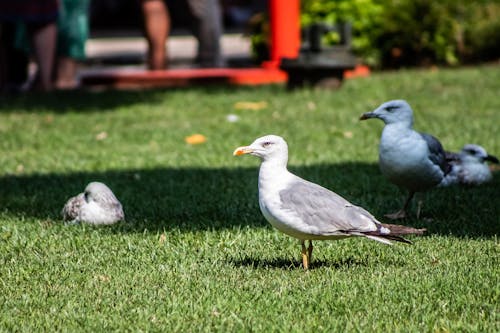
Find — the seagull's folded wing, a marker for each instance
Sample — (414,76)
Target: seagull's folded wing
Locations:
(325,212)
(436,152)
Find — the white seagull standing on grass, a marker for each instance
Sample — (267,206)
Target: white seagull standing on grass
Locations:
(307,211)
(411,160)
(96,205)
(469,167)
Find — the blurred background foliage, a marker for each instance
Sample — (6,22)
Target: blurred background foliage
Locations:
(406,33)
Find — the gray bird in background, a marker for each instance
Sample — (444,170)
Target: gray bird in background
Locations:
(469,167)
(307,211)
(96,205)
(413,161)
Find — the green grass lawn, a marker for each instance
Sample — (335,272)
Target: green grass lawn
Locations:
(195,253)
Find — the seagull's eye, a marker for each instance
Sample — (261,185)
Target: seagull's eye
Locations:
(391,108)
(86,196)
(471,151)
(266,144)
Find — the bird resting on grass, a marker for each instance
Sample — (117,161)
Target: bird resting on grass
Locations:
(413,161)
(307,211)
(469,167)
(96,205)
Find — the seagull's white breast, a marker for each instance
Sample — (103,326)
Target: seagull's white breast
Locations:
(474,173)
(271,182)
(93,213)
(404,159)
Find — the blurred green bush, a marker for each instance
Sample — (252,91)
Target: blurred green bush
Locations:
(425,32)
(364,16)
(401,33)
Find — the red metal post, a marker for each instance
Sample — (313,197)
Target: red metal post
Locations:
(284,17)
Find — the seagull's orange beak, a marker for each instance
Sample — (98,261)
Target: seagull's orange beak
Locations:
(242,150)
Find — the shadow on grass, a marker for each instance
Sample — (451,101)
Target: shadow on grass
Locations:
(94,100)
(192,199)
(76,101)
(284,264)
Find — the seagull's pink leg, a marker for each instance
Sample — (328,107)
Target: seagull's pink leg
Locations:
(401,214)
(419,208)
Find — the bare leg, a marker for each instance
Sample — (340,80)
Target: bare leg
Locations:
(401,214)
(305,262)
(66,73)
(156,28)
(44,43)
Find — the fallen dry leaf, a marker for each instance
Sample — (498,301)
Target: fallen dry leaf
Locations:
(46,224)
(311,106)
(195,139)
(347,134)
(101,136)
(49,119)
(163,238)
(250,105)
(103,278)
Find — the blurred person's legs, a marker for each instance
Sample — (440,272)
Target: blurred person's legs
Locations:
(72,34)
(38,16)
(43,39)
(207,28)
(66,73)
(156,28)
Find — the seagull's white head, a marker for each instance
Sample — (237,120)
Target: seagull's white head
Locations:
(267,148)
(396,111)
(477,154)
(99,193)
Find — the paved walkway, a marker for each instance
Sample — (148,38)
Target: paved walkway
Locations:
(120,62)
(181,50)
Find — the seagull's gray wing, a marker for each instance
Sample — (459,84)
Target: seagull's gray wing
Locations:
(451,156)
(324,210)
(436,152)
(114,207)
(118,210)
(108,201)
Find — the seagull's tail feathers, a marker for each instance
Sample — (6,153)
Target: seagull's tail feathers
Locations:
(386,239)
(393,232)
(379,239)
(398,230)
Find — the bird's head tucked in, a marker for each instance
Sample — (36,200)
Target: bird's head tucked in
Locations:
(395,111)
(98,192)
(269,147)
(476,153)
